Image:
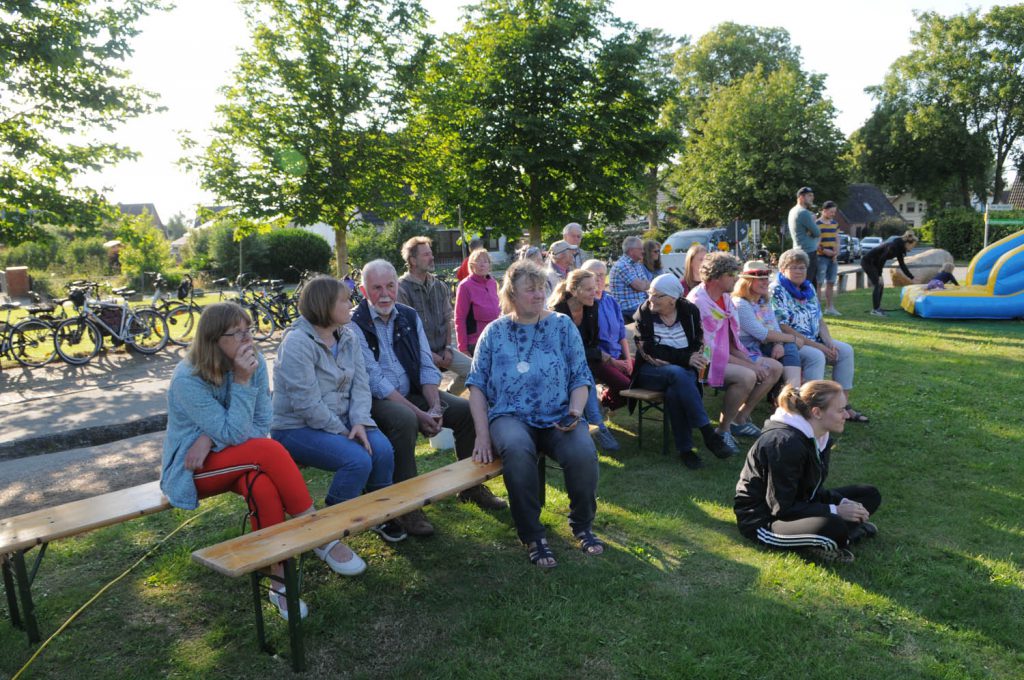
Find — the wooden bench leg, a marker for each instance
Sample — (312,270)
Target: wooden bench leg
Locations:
(664,431)
(257,597)
(21,575)
(291,584)
(12,595)
(640,426)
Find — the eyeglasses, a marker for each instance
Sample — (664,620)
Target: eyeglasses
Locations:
(239,335)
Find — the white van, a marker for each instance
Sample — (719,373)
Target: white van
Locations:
(673,251)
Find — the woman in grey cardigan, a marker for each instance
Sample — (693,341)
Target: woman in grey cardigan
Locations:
(322,406)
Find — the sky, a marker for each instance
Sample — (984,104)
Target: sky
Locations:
(187,54)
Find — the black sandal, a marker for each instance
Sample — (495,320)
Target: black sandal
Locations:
(541,551)
(588,542)
(855,416)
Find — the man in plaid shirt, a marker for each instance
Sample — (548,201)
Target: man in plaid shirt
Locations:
(629,277)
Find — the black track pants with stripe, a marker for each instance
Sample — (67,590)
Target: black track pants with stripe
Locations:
(830,532)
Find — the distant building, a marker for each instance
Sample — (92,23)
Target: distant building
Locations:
(864,206)
(1016,197)
(142,208)
(910,208)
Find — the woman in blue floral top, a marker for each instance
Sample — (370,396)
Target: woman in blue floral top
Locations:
(527,388)
(799,314)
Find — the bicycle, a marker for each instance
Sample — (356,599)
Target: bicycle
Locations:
(79,338)
(29,342)
(182,314)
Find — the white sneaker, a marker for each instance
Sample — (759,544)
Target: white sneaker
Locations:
(833,311)
(351,567)
(878,312)
(280,602)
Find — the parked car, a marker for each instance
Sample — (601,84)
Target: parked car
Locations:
(869,242)
(845,249)
(673,250)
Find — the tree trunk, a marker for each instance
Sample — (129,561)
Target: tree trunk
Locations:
(652,198)
(341,251)
(533,209)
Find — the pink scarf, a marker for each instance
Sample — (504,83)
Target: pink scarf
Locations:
(721,328)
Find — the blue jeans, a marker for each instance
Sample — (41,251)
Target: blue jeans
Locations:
(518,445)
(354,469)
(683,405)
(592,409)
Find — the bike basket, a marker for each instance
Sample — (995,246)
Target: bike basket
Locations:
(112,317)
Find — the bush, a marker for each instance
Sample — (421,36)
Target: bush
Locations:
(86,256)
(958,230)
(32,254)
(224,250)
(293,247)
(890,226)
(365,243)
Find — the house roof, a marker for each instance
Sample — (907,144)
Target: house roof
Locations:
(1017,191)
(866,203)
(139,208)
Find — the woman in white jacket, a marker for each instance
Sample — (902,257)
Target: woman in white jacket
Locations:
(321,405)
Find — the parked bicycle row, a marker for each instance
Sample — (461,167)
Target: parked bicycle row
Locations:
(76,328)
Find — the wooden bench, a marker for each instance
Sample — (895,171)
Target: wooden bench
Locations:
(647,400)
(250,553)
(858,275)
(20,534)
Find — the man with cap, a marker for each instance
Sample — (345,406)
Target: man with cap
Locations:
(828,254)
(669,340)
(561,256)
(804,231)
(572,234)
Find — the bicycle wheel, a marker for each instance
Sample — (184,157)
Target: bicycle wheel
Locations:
(147,331)
(77,341)
(263,324)
(32,343)
(181,324)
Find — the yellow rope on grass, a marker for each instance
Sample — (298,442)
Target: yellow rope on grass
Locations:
(105,589)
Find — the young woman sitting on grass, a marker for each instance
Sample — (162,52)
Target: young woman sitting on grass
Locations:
(781,500)
(218,416)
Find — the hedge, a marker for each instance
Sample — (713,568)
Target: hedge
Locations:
(961,231)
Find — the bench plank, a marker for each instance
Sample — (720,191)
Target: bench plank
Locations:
(247,553)
(77,517)
(643,395)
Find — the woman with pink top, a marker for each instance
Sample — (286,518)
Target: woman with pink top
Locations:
(476,302)
(746,382)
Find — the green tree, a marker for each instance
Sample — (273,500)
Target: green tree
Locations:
(62,88)
(176,226)
(923,149)
(144,249)
(310,128)
(755,142)
(970,66)
(536,113)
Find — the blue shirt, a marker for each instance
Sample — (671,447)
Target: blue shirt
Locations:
(229,413)
(386,373)
(624,272)
(611,329)
(552,349)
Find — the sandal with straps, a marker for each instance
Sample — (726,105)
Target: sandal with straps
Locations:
(541,551)
(855,416)
(589,543)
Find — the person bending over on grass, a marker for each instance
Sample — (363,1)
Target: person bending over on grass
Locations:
(874,261)
(527,388)
(668,357)
(799,315)
(781,500)
(322,405)
(576,297)
(746,382)
(218,415)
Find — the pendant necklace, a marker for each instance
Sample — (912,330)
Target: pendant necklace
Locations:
(524,364)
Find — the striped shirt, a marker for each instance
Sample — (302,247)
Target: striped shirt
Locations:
(829,237)
(670,336)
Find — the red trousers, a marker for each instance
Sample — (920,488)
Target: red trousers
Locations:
(616,381)
(263,473)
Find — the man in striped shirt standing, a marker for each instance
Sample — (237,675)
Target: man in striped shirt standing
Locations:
(828,254)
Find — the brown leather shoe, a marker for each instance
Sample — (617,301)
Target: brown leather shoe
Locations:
(415,524)
(483,497)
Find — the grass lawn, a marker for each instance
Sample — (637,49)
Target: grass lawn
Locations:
(939,594)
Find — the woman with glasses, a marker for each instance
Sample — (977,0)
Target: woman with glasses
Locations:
(799,315)
(322,406)
(218,416)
